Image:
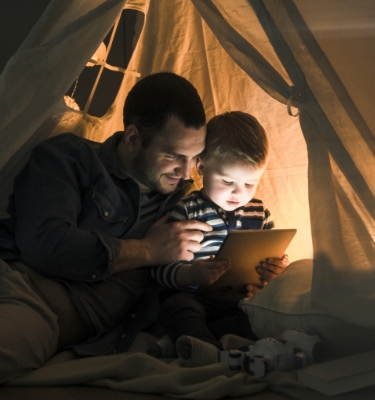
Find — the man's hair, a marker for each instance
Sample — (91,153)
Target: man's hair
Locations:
(159,96)
(236,136)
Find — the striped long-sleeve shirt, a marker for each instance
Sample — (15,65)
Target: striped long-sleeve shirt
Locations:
(252,215)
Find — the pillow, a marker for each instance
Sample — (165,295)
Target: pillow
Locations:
(285,303)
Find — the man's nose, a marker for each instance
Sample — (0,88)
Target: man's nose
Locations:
(184,169)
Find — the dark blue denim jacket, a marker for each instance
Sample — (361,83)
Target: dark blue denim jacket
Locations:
(71,203)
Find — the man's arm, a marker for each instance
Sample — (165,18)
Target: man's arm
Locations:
(47,206)
(163,243)
(49,202)
(180,274)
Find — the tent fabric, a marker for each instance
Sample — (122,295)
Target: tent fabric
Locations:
(253,56)
(196,54)
(341,191)
(47,63)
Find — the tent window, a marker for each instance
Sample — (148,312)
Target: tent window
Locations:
(110,81)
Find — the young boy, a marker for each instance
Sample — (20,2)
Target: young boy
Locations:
(231,166)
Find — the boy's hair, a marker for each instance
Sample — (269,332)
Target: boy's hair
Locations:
(236,136)
(156,97)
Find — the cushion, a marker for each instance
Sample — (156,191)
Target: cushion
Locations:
(285,303)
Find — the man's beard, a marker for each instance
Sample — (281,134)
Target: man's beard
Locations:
(148,175)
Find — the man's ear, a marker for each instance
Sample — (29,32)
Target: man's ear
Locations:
(132,138)
(200,166)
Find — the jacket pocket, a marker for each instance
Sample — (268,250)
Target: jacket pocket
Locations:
(107,210)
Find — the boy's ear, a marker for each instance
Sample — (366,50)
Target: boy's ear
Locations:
(200,166)
(132,138)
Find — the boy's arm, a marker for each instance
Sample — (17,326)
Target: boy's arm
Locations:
(201,272)
(268,222)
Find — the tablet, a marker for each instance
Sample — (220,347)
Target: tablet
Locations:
(245,249)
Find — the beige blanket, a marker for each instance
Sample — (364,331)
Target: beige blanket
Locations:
(136,371)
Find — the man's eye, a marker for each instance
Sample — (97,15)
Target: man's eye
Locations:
(172,157)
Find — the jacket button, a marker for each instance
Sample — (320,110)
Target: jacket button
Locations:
(93,276)
(106,213)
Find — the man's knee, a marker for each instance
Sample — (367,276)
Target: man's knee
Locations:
(29,330)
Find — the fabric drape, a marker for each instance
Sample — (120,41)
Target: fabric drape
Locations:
(44,67)
(340,152)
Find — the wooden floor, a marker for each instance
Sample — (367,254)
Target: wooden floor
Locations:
(90,393)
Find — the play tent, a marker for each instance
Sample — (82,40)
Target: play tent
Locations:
(269,58)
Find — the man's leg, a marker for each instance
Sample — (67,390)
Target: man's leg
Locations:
(105,303)
(72,329)
(28,327)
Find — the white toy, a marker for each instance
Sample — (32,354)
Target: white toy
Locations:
(294,349)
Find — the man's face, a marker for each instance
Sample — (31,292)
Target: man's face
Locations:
(169,157)
(230,185)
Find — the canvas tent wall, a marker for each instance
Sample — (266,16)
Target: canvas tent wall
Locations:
(256,56)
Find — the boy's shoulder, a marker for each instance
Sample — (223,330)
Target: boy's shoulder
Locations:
(259,201)
(254,203)
(195,196)
(197,204)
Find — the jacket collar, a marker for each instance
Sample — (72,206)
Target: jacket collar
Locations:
(108,155)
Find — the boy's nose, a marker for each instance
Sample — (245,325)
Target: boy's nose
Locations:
(236,190)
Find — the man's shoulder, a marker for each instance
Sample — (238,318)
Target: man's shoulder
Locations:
(68,139)
(67,144)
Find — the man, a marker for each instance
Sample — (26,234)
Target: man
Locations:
(88,220)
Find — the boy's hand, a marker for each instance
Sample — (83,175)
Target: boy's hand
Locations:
(206,272)
(268,270)
(202,272)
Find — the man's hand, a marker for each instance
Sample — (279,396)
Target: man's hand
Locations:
(267,270)
(162,244)
(202,272)
(173,241)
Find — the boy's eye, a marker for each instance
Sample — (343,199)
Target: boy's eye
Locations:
(227,182)
(249,185)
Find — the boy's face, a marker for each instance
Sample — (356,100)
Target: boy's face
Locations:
(229,185)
